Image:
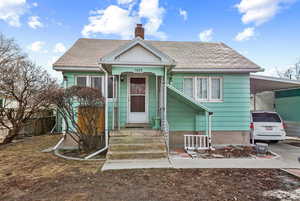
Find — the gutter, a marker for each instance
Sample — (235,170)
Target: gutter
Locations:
(215,70)
(106,115)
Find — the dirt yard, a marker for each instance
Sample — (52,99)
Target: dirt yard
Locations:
(27,174)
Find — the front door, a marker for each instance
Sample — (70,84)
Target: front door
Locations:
(137,99)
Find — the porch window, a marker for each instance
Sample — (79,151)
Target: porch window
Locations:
(90,81)
(112,87)
(98,83)
(81,81)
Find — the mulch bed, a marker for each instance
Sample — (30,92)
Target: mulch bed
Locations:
(296,144)
(230,152)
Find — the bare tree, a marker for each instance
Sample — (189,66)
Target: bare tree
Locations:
(82,108)
(24,88)
(292,73)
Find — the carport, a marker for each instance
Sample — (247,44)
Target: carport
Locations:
(280,95)
(260,83)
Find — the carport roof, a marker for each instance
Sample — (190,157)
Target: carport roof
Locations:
(260,83)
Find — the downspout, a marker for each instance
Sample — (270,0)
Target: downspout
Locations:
(165,96)
(209,130)
(63,121)
(106,115)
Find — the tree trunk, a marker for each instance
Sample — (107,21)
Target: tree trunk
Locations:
(12,134)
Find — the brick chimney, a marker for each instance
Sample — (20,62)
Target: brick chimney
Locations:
(139,31)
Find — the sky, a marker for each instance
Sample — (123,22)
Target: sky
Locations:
(265,31)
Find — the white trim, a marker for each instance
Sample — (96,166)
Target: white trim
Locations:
(211,70)
(79,68)
(111,57)
(277,79)
(146,97)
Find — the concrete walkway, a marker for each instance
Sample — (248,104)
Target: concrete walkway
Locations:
(136,164)
(288,159)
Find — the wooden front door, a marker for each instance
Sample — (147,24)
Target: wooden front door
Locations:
(137,99)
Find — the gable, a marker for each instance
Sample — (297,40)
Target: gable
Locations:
(138,54)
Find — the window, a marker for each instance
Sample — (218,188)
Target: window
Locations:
(1,103)
(98,83)
(81,81)
(188,86)
(215,88)
(265,117)
(203,88)
(112,87)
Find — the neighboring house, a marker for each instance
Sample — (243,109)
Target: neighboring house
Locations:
(287,103)
(183,87)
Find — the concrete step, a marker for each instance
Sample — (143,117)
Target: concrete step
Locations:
(136,155)
(136,140)
(137,147)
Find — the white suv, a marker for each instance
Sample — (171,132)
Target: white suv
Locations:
(267,126)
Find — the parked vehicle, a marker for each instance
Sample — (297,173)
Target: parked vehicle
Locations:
(267,126)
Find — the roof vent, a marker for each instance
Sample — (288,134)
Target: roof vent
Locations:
(139,31)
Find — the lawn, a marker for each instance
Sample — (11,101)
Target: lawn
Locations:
(28,174)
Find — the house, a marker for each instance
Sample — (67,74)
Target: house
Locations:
(178,87)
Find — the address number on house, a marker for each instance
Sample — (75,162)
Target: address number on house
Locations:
(138,70)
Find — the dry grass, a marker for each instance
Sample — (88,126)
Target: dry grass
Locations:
(27,174)
(25,159)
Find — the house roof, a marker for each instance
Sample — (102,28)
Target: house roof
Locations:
(187,55)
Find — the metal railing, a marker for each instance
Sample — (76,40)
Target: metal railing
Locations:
(166,132)
(196,142)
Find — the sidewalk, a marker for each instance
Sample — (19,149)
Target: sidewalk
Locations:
(288,160)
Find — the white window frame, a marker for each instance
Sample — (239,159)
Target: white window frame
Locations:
(221,89)
(89,83)
(115,88)
(193,84)
(196,89)
(209,89)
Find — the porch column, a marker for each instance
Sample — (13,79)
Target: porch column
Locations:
(119,89)
(165,99)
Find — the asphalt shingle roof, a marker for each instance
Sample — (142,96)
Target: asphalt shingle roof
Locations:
(189,55)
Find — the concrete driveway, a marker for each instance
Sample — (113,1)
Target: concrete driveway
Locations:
(288,154)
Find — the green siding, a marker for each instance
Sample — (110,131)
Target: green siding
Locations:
(232,114)
(152,106)
(287,93)
(288,107)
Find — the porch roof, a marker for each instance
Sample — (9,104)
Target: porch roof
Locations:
(181,96)
(260,83)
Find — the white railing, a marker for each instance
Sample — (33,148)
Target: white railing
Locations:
(196,142)
(166,130)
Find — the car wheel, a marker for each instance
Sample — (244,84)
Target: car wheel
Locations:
(274,141)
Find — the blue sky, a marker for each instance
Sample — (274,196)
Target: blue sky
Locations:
(265,31)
